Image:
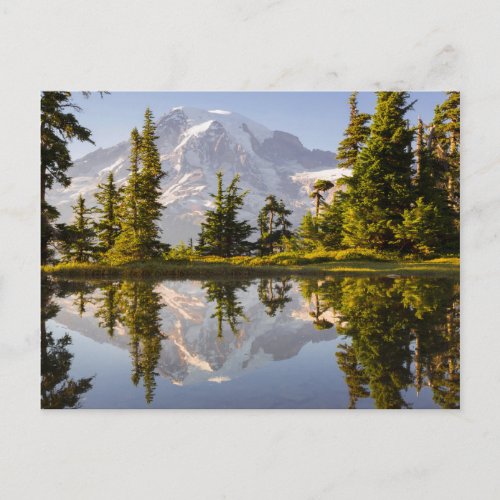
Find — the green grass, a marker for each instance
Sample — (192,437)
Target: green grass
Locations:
(342,262)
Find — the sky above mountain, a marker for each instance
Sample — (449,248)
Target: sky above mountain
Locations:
(317,118)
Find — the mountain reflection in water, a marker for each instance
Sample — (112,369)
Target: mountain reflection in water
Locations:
(343,342)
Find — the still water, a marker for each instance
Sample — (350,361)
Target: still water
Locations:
(346,342)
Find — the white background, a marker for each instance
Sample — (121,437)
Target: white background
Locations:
(235,45)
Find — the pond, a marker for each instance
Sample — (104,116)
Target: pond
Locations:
(336,342)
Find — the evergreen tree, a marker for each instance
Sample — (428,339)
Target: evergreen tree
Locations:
(444,152)
(355,135)
(273,224)
(422,228)
(127,247)
(445,144)
(331,222)
(58,127)
(150,208)
(308,233)
(320,186)
(431,224)
(380,188)
(222,234)
(283,222)
(79,244)
(108,226)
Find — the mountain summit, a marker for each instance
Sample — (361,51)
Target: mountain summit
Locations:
(194,144)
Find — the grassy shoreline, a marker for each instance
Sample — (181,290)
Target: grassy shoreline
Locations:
(222,268)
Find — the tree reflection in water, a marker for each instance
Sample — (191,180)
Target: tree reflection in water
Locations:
(58,389)
(274,294)
(140,306)
(227,306)
(399,333)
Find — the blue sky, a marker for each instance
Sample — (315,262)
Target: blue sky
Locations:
(317,118)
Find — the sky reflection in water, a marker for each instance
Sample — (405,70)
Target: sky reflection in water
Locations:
(352,342)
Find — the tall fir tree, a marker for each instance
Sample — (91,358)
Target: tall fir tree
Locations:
(380,187)
(444,146)
(150,179)
(445,143)
(79,245)
(211,237)
(108,225)
(222,234)
(127,247)
(355,135)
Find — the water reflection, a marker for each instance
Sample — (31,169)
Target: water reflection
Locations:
(403,332)
(58,389)
(399,337)
(274,294)
(227,306)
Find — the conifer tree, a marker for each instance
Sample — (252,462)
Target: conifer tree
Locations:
(211,237)
(380,187)
(283,222)
(331,221)
(150,190)
(430,225)
(222,233)
(79,245)
(320,186)
(422,229)
(355,135)
(108,226)
(127,247)
(444,151)
(445,142)
(59,126)
(273,224)
(308,232)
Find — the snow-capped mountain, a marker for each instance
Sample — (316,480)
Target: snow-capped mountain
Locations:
(194,144)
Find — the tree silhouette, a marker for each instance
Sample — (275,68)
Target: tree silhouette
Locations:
(108,307)
(273,294)
(402,332)
(227,306)
(58,389)
(140,308)
(320,186)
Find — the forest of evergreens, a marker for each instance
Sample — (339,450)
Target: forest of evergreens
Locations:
(402,198)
